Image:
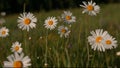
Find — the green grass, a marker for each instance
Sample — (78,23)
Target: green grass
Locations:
(61,52)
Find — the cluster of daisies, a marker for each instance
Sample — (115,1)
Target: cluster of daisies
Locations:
(28,20)
(51,23)
(17,60)
(100,40)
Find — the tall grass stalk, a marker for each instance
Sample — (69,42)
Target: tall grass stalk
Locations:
(68,58)
(1,41)
(24,7)
(86,42)
(46,48)
(26,41)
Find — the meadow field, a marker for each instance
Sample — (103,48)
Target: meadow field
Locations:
(74,51)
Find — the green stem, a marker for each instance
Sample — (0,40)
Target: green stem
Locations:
(107,59)
(86,28)
(68,58)
(57,54)
(25,41)
(46,47)
(24,7)
(66,51)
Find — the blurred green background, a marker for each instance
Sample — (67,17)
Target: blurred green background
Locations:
(15,6)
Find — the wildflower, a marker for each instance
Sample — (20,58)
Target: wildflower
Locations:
(91,8)
(16,47)
(4,32)
(110,42)
(63,31)
(17,61)
(97,38)
(50,23)
(68,18)
(27,21)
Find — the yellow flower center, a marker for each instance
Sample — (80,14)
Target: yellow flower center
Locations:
(3,32)
(68,17)
(16,48)
(90,7)
(27,21)
(63,30)
(98,39)
(17,64)
(50,22)
(108,42)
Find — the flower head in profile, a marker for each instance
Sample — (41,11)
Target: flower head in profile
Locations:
(110,42)
(91,8)
(16,47)
(26,21)
(63,31)
(68,17)
(97,38)
(4,32)
(17,61)
(50,23)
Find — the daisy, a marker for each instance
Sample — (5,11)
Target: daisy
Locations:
(27,21)
(17,61)
(68,18)
(97,38)
(16,47)
(4,32)
(110,42)
(91,8)
(63,31)
(50,23)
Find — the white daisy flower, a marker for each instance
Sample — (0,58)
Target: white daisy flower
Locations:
(16,47)
(2,20)
(68,18)
(17,61)
(91,8)
(63,31)
(110,42)
(4,32)
(27,21)
(50,23)
(97,38)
